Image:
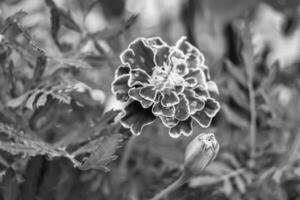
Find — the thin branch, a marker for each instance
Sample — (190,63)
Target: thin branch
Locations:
(249,64)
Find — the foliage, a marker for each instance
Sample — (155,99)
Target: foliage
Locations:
(60,62)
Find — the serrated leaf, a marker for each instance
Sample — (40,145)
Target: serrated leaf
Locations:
(227,187)
(68,21)
(234,118)
(218,168)
(237,73)
(113,32)
(238,95)
(103,152)
(232,159)
(62,90)
(240,184)
(40,66)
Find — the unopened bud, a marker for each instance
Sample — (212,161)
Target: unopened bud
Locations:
(200,152)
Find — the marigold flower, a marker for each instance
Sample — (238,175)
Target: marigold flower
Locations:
(166,82)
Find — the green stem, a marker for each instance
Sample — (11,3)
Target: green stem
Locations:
(175,185)
(127,152)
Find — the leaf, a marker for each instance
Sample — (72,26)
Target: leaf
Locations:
(227,187)
(60,17)
(238,95)
(237,73)
(233,118)
(102,153)
(63,90)
(283,4)
(240,183)
(68,21)
(33,175)
(10,185)
(113,32)
(15,20)
(40,66)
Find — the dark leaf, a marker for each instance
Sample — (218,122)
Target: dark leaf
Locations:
(113,32)
(10,185)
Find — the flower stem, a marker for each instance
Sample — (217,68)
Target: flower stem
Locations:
(128,150)
(175,185)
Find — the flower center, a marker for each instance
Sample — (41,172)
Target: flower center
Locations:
(166,77)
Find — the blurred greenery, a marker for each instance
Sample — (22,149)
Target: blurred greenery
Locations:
(252,49)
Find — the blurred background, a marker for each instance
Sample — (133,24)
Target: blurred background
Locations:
(252,49)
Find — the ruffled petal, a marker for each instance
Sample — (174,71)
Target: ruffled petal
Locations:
(181,69)
(202,119)
(196,103)
(120,87)
(138,77)
(182,128)
(161,55)
(201,91)
(160,110)
(182,110)
(178,89)
(122,70)
(134,93)
(149,92)
(127,57)
(212,107)
(136,117)
(198,75)
(139,55)
(169,99)
(188,49)
(156,42)
(169,122)
(212,87)
(192,82)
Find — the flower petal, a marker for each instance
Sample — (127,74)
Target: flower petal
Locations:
(189,49)
(169,99)
(136,117)
(202,119)
(149,92)
(160,110)
(181,69)
(182,111)
(182,128)
(121,70)
(196,103)
(169,122)
(120,87)
(178,89)
(191,81)
(161,55)
(212,87)
(134,93)
(127,57)
(139,55)
(198,75)
(138,77)
(212,107)
(155,41)
(201,91)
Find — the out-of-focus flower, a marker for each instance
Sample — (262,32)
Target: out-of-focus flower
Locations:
(168,82)
(200,152)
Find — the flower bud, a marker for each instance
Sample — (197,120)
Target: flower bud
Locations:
(200,152)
